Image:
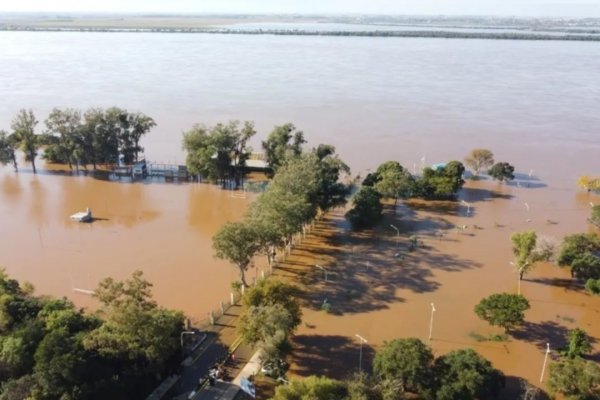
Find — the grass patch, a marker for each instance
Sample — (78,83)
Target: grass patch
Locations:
(489,338)
(565,318)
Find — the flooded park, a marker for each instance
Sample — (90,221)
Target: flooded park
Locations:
(424,101)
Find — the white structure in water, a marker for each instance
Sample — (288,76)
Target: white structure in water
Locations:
(82,216)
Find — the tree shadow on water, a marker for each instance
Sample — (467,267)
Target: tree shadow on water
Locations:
(540,333)
(333,356)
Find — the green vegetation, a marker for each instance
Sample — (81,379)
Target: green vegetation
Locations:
(528,250)
(578,344)
(479,159)
(393,181)
(50,350)
(236,243)
(502,172)
(579,252)
(593,286)
(575,379)
(503,309)
(270,316)
(8,147)
(23,133)
(464,374)
(311,388)
(218,153)
(405,362)
(367,208)
(283,143)
(440,183)
(594,218)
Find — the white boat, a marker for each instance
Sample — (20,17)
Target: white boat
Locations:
(82,216)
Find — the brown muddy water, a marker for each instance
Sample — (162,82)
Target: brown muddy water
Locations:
(381,291)
(418,101)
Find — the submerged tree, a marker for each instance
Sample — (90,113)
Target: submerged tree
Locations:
(393,181)
(528,250)
(65,129)
(503,309)
(579,253)
(578,343)
(8,147)
(441,183)
(479,159)
(575,379)
(502,172)
(23,127)
(367,209)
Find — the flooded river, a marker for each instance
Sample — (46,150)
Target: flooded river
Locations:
(418,101)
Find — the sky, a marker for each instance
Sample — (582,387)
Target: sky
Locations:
(568,8)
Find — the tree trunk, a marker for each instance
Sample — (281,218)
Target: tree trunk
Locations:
(14,162)
(32,155)
(521,273)
(243,277)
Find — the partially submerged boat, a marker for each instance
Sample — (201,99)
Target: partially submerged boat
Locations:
(83,216)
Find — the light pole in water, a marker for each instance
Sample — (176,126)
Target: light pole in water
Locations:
(431,321)
(545,360)
(362,340)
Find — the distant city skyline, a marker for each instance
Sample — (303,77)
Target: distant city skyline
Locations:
(528,8)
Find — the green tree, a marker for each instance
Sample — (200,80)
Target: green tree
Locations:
(361,386)
(407,363)
(594,218)
(528,250)
(270,292)
(588,183)
(139,125)
(479,159)
(311,388)
(283,143)
(23,127)
(579,253)
(367,208)
(330,168)
(236,242)
(134,328)
(502,172)
(8,147)
(440,183)
(575,379)
(593,286)
(219,152)
(464,375)
(66,127)
(503,309)
(394,181)
(578,343)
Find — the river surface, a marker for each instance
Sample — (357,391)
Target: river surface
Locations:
(418,101)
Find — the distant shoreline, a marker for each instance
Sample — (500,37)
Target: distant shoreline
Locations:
(441,34)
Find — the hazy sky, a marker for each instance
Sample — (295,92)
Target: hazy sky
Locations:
(574,8)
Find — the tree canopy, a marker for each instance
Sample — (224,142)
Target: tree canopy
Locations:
(503,309)
(51,350)
(219,152)
(464,375)
(23,132)
(407,362)
(8,147)
(589,183)
(442,182)
(528,250)
(575,379)
(479,159)
(367,209)
(502,172)
(311,388)
(283,143)
(579,252)
(236,242)
(393,181)
(594,218)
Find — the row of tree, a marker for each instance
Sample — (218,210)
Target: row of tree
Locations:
(305,185)
(480,159)
(77,138)
(51,350)
(406,368)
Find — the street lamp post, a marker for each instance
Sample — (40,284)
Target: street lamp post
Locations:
(323,269)
(397,234)
(545,360)
(362,340)
(431,321)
